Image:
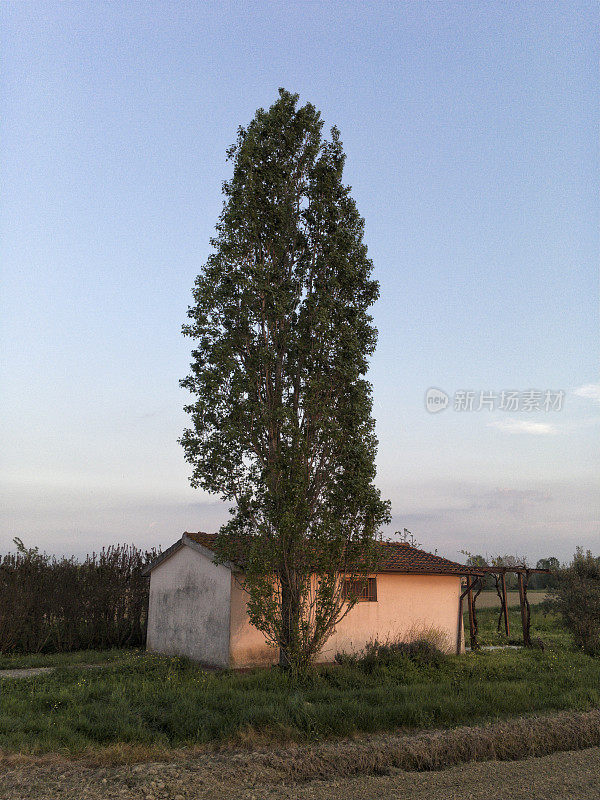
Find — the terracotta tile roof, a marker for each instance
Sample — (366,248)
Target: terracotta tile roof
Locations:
(205,539)
(395,557)
(402,557)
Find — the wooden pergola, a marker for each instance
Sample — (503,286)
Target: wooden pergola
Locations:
(475,583)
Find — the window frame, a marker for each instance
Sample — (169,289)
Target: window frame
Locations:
(365,594)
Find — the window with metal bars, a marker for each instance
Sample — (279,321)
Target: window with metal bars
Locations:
(363,589)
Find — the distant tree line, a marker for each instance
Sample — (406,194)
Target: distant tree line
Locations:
(536,581)
(50,604)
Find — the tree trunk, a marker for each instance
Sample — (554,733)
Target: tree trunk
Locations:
(290,624)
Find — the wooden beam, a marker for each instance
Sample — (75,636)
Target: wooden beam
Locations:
(500,570)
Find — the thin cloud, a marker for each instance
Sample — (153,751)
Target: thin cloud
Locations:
(513,501)
(512,425)
(591,391)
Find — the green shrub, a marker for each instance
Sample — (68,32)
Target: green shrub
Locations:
(577,598)
(53,605)
(376,655)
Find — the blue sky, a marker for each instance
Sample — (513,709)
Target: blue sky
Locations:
(471,131)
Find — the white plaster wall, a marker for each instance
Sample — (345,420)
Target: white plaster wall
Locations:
(189,608)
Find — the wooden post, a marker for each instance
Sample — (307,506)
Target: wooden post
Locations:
(460,624)
(525,611)
(472,631)
(460,619)
(479,582)
(498,584)
(505,604)
(527,607)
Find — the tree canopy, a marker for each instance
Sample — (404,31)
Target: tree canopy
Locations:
(281,421)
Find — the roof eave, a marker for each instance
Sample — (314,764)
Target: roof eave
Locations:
(458,573)
(162,557)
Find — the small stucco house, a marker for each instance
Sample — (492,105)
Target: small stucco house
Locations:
(197,608)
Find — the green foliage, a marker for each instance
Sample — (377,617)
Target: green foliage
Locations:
(477,560)
(50,604)
(545,581)
(382,655)
(577,598)
(281,418)
(474,560)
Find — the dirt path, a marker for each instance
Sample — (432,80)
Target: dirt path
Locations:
(30,672)
(26,672)
(227,776)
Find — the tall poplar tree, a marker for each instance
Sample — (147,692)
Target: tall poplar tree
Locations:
(281,422)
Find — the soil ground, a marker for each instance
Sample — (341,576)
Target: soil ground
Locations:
(573,775)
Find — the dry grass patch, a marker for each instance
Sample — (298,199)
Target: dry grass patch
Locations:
(503,741)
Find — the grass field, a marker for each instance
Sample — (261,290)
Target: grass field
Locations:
(157,702)
(546,627)
(489,599)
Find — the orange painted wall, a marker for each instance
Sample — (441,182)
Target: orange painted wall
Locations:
(406,604)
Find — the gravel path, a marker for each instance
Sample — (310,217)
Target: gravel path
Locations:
(231,776)
(27,672)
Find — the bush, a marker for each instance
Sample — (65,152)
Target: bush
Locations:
(375,655)
(50,604)
(577,598)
